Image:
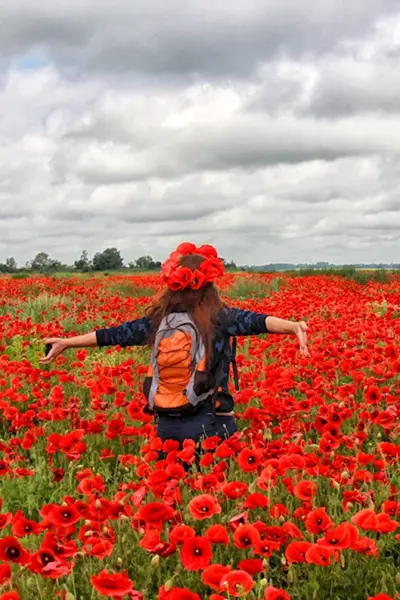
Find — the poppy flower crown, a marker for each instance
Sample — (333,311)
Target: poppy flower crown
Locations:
(178,277)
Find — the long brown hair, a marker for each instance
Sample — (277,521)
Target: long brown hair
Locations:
(202,305)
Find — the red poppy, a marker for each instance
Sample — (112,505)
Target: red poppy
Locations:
(273,593)
(246,536)
(256,500)
(204,506)
(373,395)
(61,548)
(278,510)
(366,546)
(266,548)
(48,565)
(391,507)
(115,585)
(212,576)
(22,527)
(249,460)
(305,490)
(13,595)
(380,597)
(91,485)
(5,519)
(292,531)
(12,551)
(153,543)
(234,489)
(217,534)
(5,573)
(177,594)
(63,516)
(97,547)
(212,268)
(296,552)
(274,534)
(207,250)
(317,521)
(155,513)
(179,278)
(385,524)
(196,553)
(238,520)
(180,533)
(319,555)
(339,537)
(252,566)
(237,583)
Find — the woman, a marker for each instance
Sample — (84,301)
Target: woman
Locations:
(190,274)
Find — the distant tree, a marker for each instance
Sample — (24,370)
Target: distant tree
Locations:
(83,264)
(145,263)
(108,260)
(229,265)
(10,266)
(43,263)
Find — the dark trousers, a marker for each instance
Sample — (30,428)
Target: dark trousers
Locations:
(195,427)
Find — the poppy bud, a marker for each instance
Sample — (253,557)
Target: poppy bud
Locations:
(397,578)
(155,561)
(31,583)
(168,585)
(290,576)
(119,562)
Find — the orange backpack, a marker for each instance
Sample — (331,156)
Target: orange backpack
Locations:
(178,381)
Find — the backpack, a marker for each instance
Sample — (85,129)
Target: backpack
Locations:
(178,382)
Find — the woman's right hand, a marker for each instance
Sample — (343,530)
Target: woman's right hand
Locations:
(58,345)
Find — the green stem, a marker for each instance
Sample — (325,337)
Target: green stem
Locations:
(39,588)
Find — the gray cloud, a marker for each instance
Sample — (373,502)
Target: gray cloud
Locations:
(270,129)
(352,87)
(175,37)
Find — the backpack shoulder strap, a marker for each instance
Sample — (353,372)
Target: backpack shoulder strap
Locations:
(234,364)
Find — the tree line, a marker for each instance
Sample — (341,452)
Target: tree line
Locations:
(109,259)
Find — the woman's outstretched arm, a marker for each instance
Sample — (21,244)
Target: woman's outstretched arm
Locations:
(238,322)
(59,345)
(132,333)
(297,328)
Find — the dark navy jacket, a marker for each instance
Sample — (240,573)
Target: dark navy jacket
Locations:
(231,322)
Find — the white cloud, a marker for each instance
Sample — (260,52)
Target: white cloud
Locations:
(272,135)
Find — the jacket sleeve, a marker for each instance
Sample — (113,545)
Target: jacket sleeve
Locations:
(237,322)
(132,333)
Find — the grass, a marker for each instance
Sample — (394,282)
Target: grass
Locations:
(254,287)
(360,276)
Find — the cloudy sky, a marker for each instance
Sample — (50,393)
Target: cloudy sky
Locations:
(270,128)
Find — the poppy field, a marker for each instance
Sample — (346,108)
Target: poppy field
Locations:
(303,503)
